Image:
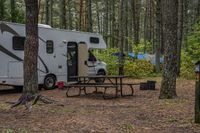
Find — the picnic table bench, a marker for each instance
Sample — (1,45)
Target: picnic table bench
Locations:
(84,82)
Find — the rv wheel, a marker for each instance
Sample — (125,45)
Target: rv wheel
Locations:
(100,80)
(49,82)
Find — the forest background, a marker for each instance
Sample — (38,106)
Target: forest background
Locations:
(131,25)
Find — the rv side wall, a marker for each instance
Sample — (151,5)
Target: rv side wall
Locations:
(52,55)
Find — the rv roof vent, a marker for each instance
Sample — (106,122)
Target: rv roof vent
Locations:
(44,26)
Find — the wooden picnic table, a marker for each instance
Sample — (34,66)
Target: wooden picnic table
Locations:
(115,81)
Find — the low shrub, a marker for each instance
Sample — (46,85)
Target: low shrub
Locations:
(138,68)
(132,67)
(187,66)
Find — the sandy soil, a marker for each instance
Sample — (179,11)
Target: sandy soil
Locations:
(142,113)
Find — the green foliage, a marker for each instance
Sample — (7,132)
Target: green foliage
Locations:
(2,9)
(187,66)
(193,48)
(138,68)
(132,67)
(112,61)
(141,47)
(191,54)
(19,13)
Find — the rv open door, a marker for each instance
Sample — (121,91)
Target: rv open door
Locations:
(82,59)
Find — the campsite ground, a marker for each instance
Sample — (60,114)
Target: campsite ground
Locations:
(143,112)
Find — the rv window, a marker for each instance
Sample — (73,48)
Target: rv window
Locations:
(18,43)
(94,40)
(49,47)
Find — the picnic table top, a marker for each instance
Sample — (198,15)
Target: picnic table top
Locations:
(102,76)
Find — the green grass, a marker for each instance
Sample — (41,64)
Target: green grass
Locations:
(4,106)
(15,131)
(126,127)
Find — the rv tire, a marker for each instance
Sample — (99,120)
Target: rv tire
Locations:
(49,82)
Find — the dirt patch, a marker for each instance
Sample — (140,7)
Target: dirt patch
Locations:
(143,112)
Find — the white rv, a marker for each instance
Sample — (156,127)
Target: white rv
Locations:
(62,54)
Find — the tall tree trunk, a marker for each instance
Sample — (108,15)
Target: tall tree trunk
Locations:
(63,14)
(39,6)
(126,26)
(162,29)
(158,35)
(198,10)
(145,27)
(148,23)
(105,21)
(69,4)
(13,10)
(31,49)
(2,9)
(170,20)
(89,16)
(81,14)
(47,11)
(179,34)
(42,13)
(113,25)
(51,13)
(121,37)
(39,12)
(136,20)
(185,23)
(130,27)
(98,17)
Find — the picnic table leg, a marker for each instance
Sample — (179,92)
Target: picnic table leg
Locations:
(132,92)
(95,89)
(67,92)
(121,86)
(84,88)
(105,94)
(73,95)
(116,87)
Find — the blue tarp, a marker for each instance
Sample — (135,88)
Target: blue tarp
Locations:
(147,57)
(139,56)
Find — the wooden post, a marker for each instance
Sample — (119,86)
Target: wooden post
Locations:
(197,102)
(197,94)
